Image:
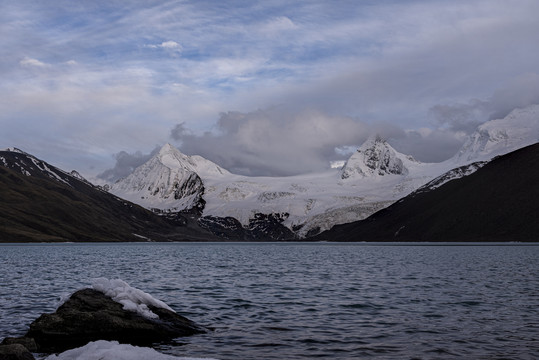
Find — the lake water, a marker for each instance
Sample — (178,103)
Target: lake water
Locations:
(303,300)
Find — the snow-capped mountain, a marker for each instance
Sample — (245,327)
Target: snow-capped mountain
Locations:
(29,165)
(376,158)
(498,137)
(481,206)
(373,178)
(168,181)
(305,204)
(40,202)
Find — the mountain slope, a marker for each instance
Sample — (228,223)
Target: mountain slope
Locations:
(498,202)
(40,202)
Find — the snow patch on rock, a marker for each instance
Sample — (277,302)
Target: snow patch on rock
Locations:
(131,298)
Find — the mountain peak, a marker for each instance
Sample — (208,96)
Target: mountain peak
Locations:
(167,148)
(501,136)
(373,139)
(16,150)
(170,180)
(167,181)
(174,158)
(374,158)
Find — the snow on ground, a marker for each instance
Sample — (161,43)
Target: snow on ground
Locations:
(312,201)
(112,350)
(131,298)
(318,200)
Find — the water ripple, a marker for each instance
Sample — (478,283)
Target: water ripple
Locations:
(303,301)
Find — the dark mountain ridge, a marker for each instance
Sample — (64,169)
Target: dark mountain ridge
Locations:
(498,202)
(41,203)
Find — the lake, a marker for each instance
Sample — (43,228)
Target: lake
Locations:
(303,300)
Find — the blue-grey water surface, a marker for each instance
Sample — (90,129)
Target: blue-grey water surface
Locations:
(303,300)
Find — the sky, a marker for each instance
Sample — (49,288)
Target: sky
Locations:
(273,87)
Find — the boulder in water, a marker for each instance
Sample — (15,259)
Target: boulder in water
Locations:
(90,315)
(15,352)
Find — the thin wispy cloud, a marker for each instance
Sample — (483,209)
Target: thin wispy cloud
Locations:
(171,46)
(114,76)
(32,62)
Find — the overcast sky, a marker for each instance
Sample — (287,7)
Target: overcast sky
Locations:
(260,87)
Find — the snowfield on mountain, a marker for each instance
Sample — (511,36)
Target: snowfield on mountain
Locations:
(374,177)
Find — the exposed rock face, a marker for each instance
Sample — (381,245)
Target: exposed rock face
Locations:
(227,228)
(15,352)
(375,158)
(262,227)
(28,343)
(89,315)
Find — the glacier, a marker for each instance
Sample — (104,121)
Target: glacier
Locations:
(374,177)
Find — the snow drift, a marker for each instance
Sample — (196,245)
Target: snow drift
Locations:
(112,350)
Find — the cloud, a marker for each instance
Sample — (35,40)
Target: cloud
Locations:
(461,117)
(278,24)
(428,145)
(277,141)
(518,92)
(167,45)
(125,164)
(106,76)
(179,131)
(521,91)
(287,141)
(434,53)
(29,62)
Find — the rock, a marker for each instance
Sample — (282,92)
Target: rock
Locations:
(28,343)
(15,352)
(89,315)
(262,227)
(269,227)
